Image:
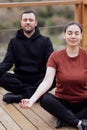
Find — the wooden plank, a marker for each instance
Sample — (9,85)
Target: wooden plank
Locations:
(38,3)
(36,115)
(18,117)
(3,91)
(7,121)
(2,126)
(34,118)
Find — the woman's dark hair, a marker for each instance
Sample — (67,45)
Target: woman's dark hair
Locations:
(72,23)
(29,11)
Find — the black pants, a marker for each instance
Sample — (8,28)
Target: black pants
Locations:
(21,84)
(70,113)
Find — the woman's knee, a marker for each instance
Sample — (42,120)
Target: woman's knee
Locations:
(45,99)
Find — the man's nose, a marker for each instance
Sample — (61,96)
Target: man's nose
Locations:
(28,21)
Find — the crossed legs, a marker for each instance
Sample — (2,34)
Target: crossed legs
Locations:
(64,110)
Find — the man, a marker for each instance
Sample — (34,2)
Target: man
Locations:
(28,51)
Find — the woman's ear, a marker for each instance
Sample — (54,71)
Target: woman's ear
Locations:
(81,37)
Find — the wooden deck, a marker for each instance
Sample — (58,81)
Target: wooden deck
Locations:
(12,117)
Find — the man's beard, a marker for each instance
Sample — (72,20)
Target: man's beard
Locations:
(28,31)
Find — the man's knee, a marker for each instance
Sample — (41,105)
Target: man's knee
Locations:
(2,79)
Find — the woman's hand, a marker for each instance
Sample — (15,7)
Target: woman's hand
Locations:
(26,103)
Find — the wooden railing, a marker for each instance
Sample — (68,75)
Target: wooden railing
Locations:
(80,13)
(39,3)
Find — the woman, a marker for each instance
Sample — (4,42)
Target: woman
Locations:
(69,104)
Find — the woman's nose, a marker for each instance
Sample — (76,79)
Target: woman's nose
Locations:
(73,35)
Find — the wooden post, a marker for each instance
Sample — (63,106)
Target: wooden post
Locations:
(78,12)
(84,23)
(78,15)
(81,17)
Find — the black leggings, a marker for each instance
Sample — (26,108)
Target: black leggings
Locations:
(70,113)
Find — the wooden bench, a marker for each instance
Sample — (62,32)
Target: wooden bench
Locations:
(12,117)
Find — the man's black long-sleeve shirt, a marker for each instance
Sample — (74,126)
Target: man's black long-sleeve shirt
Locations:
(28,55)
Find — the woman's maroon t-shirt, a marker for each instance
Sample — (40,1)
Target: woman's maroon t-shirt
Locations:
(71,75)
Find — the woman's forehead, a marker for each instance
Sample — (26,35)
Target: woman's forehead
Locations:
(73,28)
